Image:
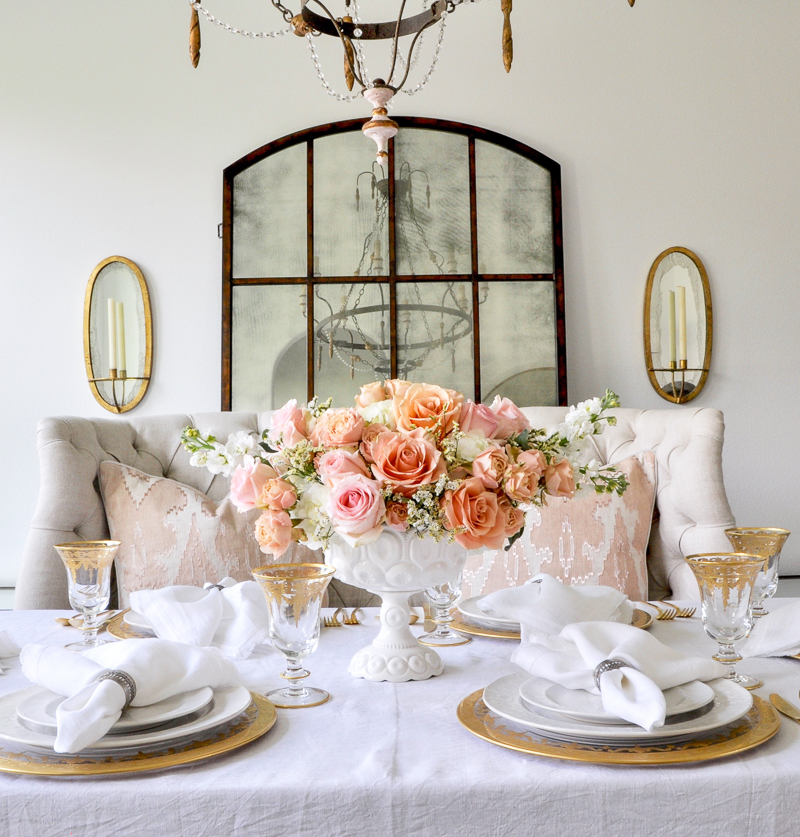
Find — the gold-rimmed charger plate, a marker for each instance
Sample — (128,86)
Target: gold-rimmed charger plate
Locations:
(120,629)
(756,727)
(256,720)
(640,619)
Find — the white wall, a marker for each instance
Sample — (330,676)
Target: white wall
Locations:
(676,123)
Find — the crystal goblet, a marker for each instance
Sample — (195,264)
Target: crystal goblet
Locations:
(726,582)
(294,597)
(444,597)
(766,543)
(88,565)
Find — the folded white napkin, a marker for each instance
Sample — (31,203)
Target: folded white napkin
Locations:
(634,692)
(234,619)
(8,648)
(159,668)
(775,635)
(545,604)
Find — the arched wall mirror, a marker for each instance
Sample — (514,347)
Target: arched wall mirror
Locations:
(117,334)
(445,266)
(678,325)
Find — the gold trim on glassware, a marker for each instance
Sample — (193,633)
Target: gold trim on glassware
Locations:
(762,541)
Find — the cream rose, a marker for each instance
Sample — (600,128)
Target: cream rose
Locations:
(406,461)
(427,406)
(477,511)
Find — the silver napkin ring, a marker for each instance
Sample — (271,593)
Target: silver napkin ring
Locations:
(123,680)
(606,665)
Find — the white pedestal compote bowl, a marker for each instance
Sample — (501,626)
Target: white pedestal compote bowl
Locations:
(394,567)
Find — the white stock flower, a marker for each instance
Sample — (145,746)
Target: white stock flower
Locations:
(472,444)
(199,458)
(380,412)
(593,468)
(242,444)
(218,461)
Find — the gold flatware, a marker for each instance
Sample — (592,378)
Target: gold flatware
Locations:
(352,617)
(332,621)
(785,708)
(77,621)
(665,614)
(682,612)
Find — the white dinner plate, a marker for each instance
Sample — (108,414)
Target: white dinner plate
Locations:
(731,702)
(470,609)
(225,705)
(136,620)
(538,693)
(38,712)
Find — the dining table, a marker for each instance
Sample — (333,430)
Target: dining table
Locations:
(386,759)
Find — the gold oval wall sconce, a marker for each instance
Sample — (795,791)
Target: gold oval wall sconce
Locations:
(117,334)
(678,325)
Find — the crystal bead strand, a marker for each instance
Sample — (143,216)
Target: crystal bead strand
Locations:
(436,52)
(321,76)
(246,33)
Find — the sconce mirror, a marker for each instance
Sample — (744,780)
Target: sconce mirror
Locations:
(117,334)
(678,325)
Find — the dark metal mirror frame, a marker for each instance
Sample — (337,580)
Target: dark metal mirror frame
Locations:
(308,136)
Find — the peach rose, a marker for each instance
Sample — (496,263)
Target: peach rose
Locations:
(406,461)
(370,434)
(336,464)
(477,511)
(338,428)
(288,425)
(520,484)
(274,532)
(559,479)
(429,407)
(489,466)
(397,516)
(371,394)
(277,494)
(247,481)
(513,518)
(356,509)
(478,417)
(533,461)
(396,387)
(511,419)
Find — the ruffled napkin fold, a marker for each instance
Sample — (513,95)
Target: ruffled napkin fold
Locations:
(545,605)
(633,692)
(775,635)
(8,648)
(159,668)
(234,619)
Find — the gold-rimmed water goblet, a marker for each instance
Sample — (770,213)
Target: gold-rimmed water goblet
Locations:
(726,581)
(294,596)
(443,598)
(766,543)
(88,565)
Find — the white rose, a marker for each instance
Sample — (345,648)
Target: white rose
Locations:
(380,412)
(471,444)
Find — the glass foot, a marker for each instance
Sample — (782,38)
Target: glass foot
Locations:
(290,698)
(749,683)
(85,645)
(443,639)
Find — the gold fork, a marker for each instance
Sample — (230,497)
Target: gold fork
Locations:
(682,612)
(333,621)
(665,614)
(352,618)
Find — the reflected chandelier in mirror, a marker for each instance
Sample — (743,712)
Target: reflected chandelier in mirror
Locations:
(444,264)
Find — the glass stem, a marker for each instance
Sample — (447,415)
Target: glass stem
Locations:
(90,628)
(295,674)
(442,620)
(727,655)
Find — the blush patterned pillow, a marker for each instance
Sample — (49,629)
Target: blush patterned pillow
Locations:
(592,539)
(171,533)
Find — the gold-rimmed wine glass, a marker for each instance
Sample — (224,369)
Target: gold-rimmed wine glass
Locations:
(294,596)
(726,581)
(88,565)
(766,543)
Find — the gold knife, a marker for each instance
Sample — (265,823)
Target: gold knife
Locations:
(784,707)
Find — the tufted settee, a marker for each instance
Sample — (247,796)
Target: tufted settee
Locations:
(692,509)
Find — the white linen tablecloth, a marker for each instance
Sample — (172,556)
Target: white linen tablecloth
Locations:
(392,759)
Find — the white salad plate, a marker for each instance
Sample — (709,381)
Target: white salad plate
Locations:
(38,711)
(470,609)
(225,705)
(136,620)
(538,693)
(731,702)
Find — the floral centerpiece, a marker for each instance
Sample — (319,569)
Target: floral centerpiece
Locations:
(410,457)
(399,487)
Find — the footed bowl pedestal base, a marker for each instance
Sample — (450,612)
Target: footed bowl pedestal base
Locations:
(395,655)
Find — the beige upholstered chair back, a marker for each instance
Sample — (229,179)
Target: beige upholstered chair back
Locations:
(693,510)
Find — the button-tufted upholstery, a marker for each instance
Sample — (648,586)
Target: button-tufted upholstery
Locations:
(692,509)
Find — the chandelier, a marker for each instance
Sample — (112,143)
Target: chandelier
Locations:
(405,32)
(432,321)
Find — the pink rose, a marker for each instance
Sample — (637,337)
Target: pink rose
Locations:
(477,511)
(397,516)
(338,428)
(559,479)
(532,460)
(478,417)
(274,532)
(511,419)
(288,425)
(370,434)
(513,518)
(336,464)
(356,509)
(427,406)
(247,481)
(396,387)
(277,494)
(523,476)
(371,394)
(406,461)
(489,466)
